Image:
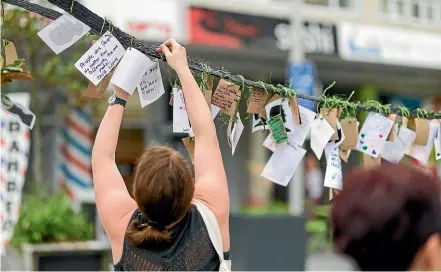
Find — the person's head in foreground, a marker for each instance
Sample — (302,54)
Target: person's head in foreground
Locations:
(163,188)
(389,218)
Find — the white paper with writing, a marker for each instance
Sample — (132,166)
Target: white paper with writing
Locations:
(301,131)
(151,87)
(130,70)
(334,175)
(236,133)
(283,163)
(63,32)
(373,134)
(438,144)
(258,123)
(214,111)
(180,116)
(270,143)
(394,151)
(422,152)
(321,133)
(100,59)
(281,107)
(334,144)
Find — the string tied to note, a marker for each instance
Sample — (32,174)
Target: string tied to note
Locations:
(71,7)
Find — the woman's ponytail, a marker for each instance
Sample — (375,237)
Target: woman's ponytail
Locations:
(138,232)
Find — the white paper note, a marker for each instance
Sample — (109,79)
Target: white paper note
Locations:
(283,163)
(258,123)
(236,133)
(422,152)
(180,116)
(151,88)
(373,134)
(334,144)
(438,144)
(301,131)
(214,111)
(394,151)
(100,59)
(63,32)
(321,133)
(334,176)
(130,70)
(270,143)
(281,107)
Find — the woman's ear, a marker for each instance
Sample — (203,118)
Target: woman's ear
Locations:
(428,257)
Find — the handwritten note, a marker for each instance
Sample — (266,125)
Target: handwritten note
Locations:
(258,123)
(277,129)
(340,135)
(321,133)
(331,115)
(301,131)
(334,176)
(130,70)
(236,133)
(393,151)
(422,152)
(226,97)
(151,87)
(63,32)
(438,144)
(283,163)
(257,101)
(373,134)
(281,107)
(100,59)
(180,116)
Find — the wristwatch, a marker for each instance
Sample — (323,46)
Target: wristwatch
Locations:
(116,100)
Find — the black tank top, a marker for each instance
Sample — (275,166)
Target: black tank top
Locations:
(190,249)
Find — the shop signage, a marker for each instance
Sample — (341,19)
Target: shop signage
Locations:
(238,30)
(388,45)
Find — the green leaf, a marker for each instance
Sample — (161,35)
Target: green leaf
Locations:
(316,226)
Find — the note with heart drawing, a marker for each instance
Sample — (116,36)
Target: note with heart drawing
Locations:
(373,134)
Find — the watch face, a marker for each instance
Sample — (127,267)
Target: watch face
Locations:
(112,99)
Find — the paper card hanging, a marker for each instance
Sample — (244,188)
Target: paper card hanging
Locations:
(391,136)
(63,32)
(258,123)
(10,53)
(277,129)
(394,151)
(189,144)
(344,154)
(321,133)
(233,135)
(372,136)
(331,115)
(180,116)
(421,128)
(438,144)
(226,97)
(334,175)
(283,163)
(131,70)
(15,109)
(350,129)
(294,106)
(257,101)
(270,143)
(333,193)
(371,162)
(281,107)
(301,131)
(100,59)
(422,152)
(151,87)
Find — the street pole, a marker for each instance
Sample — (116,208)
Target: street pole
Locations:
(297,55)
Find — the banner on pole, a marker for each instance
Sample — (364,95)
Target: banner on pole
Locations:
(301,76)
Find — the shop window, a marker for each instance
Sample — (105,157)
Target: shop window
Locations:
(413,11)
(331,3)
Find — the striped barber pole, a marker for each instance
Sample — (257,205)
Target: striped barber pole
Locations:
(75,150)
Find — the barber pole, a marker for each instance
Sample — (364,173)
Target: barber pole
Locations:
(75,150)
(14,147)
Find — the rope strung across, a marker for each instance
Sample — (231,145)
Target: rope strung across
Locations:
(99,25)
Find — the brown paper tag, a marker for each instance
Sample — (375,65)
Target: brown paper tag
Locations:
(344,154)
(10,53)
(350,130)
(294,106)
(339,112)
(371,162)
(331,116)
(404,121)
(391,136)
(421,128)
(257,101)
(189,144)
(226,97)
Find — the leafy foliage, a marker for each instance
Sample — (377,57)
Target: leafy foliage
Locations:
(318,230)
(50,219)
(14,71)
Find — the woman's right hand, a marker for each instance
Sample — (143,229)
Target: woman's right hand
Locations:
(175,54)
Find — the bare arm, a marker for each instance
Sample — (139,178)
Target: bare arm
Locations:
(114,204)
(211,180)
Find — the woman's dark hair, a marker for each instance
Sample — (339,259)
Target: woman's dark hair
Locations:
(384,215)
(163,188)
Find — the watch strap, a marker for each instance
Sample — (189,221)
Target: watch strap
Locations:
(119,101)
